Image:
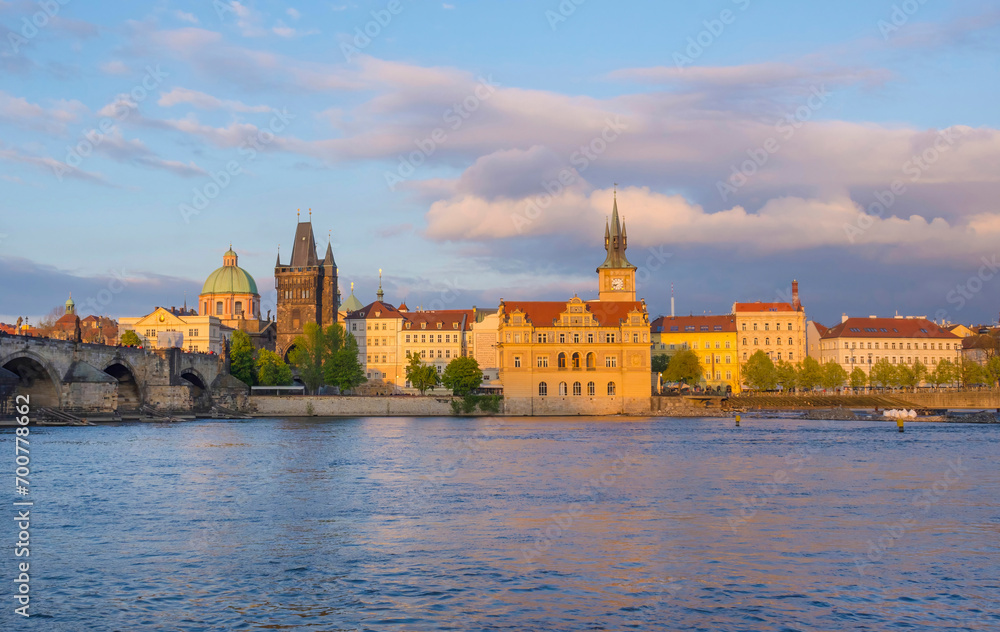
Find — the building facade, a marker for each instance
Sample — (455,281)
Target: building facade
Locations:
(160,329)
(862,342)
(711,338)
(777,329)
(230,294)
(306,286)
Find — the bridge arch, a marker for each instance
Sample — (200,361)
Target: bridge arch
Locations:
(200,394)
(39,379)
(130,396)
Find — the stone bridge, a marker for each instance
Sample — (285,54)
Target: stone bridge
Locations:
(93,378)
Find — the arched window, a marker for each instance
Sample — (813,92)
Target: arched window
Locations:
(755,342)
(577,388)
(591,360)
(543,389)
(591,389)
(611,389)
(789,341)
(777,341)
(576,360)
(239,308)
(218,307)
(767,341)
(562,388)
(744,342)
(561,362)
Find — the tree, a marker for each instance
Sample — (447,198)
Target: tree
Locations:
(242,363)
(131,339)
(919,371)
(906,376)
(759,372)
(308,356)
(944,373)
(834,375)
(684,367)
(462,376)
(272,370)
(343,369)
(883,374)
(810,373)
(858,378)
(970,373)
(992,370)
(420,375)
(659,363)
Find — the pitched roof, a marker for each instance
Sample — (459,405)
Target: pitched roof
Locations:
(447,317)
(546,313)
(304,247)
(979,341)
(762,307)
(665,324)
(888,328)
(822,329)
(615,242)
(384,310)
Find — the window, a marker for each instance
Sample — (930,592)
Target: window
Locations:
(694,346)
(744,342)
(591,360)
(777,326)
(610,338)
(789,326)
(755,342)
(767,326)
(729,359)
(767,341)
(218,307)
(576,360)
(577,389)
(239,307)
(561,360)
(562,338)
(755,326)
(729,375)
(611,362)
(790,341)
(447,354)
(517,335)
(727,345)
(779,355)
(543,338)
(611,389)
(744,326)
(790,354)
(543,389)
(407,337)
(576,338)
(591,389)
(635,337)
(423,337)
(777,341)
(562,389)
(590,338)
(517,362)
(543,362)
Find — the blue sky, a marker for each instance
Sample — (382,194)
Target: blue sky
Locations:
(676,96)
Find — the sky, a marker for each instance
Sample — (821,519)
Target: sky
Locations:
(471,150)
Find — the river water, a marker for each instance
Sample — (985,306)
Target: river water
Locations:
(510,524)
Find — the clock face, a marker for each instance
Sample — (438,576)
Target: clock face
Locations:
(617,284)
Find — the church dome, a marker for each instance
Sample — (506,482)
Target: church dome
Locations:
(352,304)
(230,278)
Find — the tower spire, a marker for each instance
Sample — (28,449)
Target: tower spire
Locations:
(380,293)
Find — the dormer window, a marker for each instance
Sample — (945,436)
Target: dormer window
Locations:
(455,325)
(423,325)
(378,314)
(439,325)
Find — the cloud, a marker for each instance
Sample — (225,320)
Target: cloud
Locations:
(186,17)
(51,166)
(206,101)
(19,111)
(135,152)
(115,67)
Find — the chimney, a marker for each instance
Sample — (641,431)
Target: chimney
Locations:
(796,305)
(843,318)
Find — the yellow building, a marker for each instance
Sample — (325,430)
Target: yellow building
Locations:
(230,294)
(712,338)
(576,356)
(961,331)
(777,329)
(201,334)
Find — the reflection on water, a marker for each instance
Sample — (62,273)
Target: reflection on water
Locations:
(451,524)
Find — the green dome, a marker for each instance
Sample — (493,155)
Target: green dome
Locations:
(352,304)
(229,280)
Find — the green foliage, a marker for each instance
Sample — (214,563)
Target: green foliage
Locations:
(993,370)
(489,404)
(659,363)
(810,374)
(787,375)
(883,374)
(456,407)
(906,376)
(684,367)
(420,375)
(272,370)
(760,373)
(242,358)
(970,373)
(919,371)
(131,339)
(343,369)
(858,378)
(944,373)
(469,404)
(834,375)
(309,355)
(462,376)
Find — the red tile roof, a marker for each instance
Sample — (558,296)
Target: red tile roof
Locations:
(368,311)
(546,313)
(663,324)
(447,317)
(822,329)
(762,307)
(888,328)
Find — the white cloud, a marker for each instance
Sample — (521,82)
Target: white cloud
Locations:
(206,101)
(115,67)
(293,13)
(186,17)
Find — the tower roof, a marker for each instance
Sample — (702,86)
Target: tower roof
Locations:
(352,304)
(615,242)
(304,247)
(230,278)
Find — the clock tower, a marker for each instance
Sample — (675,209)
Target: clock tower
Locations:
(616,274)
